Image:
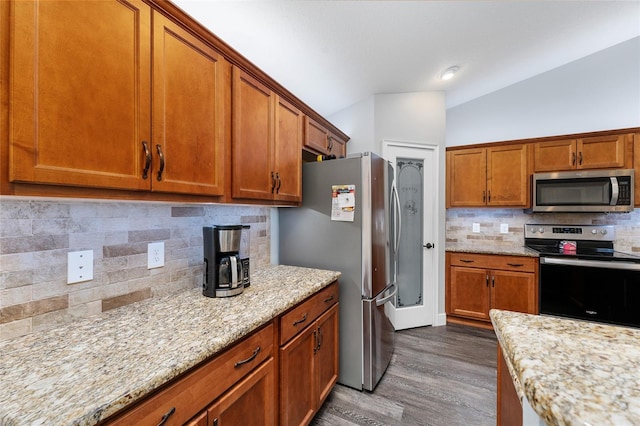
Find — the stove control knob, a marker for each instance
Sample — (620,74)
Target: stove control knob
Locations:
(594,231)
(533,230)
(541,230)
(603,232)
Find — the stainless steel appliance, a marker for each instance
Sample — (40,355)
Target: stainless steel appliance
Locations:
(582,276)
(222,272)
(245,245)
(343,225)
(583,191)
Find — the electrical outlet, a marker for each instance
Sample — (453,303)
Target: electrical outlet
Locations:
(79,266)
(155,253)
(504,228)
(476,227)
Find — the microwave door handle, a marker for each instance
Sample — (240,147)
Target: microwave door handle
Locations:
(614,191)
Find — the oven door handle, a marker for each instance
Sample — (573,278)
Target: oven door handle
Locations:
(591,263)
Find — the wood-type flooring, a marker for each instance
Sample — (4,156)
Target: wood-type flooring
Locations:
(441,376)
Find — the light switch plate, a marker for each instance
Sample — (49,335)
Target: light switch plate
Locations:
(155,252)
(79,266)
(504,228)
(476,227)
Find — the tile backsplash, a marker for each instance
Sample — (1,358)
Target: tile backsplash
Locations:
(37,234)
(459,226)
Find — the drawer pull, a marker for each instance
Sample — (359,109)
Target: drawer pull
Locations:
(166,416)
(161,155)
(147,160)
(328,299)
(466,261)
(301,320)
(251,358)
(516,265)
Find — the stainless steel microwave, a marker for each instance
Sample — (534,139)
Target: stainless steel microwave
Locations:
(583,191)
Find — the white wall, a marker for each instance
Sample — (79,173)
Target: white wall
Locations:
(598,92)
(357,122)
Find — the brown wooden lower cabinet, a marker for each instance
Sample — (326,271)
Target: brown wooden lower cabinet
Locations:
(239,386)
(509,408)
(477,283)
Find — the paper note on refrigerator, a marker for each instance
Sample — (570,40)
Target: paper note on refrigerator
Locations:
(343,202)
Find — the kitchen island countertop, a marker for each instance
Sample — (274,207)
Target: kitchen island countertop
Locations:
(570,371)
(84,372)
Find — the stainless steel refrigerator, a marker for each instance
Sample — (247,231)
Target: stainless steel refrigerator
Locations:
(344,225)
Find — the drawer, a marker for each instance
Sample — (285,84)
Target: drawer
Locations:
(196,390)
(487,261)
(298,318)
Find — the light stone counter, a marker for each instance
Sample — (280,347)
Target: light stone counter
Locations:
(572,372)
(82,373)
(509,250)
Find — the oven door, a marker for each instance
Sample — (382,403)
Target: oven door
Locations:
(605,291)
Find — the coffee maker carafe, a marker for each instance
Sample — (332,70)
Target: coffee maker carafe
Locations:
(222,274)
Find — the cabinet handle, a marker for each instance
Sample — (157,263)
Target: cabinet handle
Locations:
(279,183)
(573,158)
(251,358)
(329,143)
(320,338)
(493,281)
(161,155)
(328,299)
(516,265)
(215,422)
(166,416)
(489,200)
(301,320)
(466,261)
(147,161)
(580,158)
(487,280)
(273,182)
(484,196)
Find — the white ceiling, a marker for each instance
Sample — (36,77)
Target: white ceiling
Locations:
(332,54)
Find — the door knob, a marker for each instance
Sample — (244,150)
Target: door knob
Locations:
(428,245)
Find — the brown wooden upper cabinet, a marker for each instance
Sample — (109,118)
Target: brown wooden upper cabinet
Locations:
(266,140)
(191,87)
(84,120)
(636,166)
(320,140)
(493,177)
(599,152)
(87,121)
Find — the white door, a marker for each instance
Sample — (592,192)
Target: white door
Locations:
(414,264)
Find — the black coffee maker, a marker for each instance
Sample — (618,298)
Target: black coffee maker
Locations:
(222,274)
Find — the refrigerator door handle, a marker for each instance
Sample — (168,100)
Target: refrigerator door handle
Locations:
(392,289)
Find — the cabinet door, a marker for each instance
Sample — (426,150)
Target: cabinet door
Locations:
(297,382)
(80,93)
(514,291)
(287,152)
(601,152)
(508,176)
(467,177)
(326,361)
(316,137)
(555,156)
(190,112)
(470,292)
(636,166)
(337,146)
(252,138)
(251,402)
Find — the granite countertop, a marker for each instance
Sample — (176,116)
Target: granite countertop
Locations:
(570,371)
(82,373)
(509,250)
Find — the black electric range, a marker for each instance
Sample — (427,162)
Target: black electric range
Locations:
(582,276)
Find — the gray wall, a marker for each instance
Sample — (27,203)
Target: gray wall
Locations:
(598,92)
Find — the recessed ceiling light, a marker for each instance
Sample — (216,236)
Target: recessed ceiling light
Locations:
(449,72)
